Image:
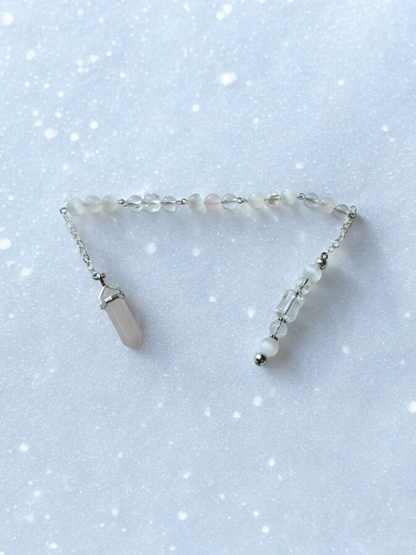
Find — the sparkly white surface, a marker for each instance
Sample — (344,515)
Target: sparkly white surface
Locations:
(186,446)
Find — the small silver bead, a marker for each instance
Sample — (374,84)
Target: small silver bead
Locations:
(260,359)
(321,263)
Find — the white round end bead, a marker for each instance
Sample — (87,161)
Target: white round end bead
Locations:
(313,273)
(288,197)
(256,200)
(75,207)
(195,202)
(110,203)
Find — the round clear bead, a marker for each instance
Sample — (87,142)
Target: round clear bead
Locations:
(278,328)
(272,199)
(311,200)
(169,204)
(93,204)
(229,201)
(303,285)
(152,202)
(135,203)
(341,211)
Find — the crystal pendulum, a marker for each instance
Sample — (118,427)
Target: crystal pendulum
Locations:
(113,301)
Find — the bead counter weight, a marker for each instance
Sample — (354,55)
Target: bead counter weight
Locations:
(112,299)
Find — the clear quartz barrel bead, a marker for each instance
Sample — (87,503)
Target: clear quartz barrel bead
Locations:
(278,328)
(135,203)
(152,202)
(169,204)
(303,285)
(311,200)
(290,305)
(229,201)
(341,211)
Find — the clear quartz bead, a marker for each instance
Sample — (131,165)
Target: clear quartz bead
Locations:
(341,211)
(290,305)
(135,203)
(311,200)
(169,204)
(229,201)
(303,285)
(278,328)
(272,199)
(152,202)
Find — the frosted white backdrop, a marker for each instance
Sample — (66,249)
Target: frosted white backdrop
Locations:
(186,446)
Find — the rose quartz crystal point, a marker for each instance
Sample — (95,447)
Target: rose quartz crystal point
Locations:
(124,322)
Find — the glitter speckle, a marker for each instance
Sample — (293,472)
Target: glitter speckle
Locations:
(212,299)
(74,137)
(412,407)
(26,272)
(196,252)
(50,133)
(5,244)
(94,125)
(151,248)
(385,128)
(196,108)
(182,515)
(346,350)
(227,79)
(24,447)
(53,545)
(114,511)
(265,529)
(341,82)
(257,401)
(236,415)
(7,18)
(250,312)
(30,54)
(271,462)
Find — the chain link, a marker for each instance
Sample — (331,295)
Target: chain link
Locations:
(81,245)
(343,231)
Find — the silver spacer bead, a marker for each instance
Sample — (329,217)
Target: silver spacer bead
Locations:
(260,359)
(321,263)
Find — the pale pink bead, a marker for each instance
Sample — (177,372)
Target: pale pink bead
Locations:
(212,202)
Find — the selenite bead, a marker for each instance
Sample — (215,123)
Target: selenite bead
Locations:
(326,205)
(303,285)
(311,200)
(256,200)
(269,347)
(313,273)
(288,197)
(278,328)
(195,202)
(212,202)
(229,201)
(75,207)
(341,211)
(290,305)
(272,199)
(260,359)
(169,204)
(135,203)
(93,204)
(152,202)
(110,203)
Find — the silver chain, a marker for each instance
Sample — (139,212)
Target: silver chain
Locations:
(343,231)
(82,249)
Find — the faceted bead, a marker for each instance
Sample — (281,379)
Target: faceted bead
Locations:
(269,347)
(303,285)
(212,202)
(290,305)
(341,211)
(288,197)
(326,205)
(75,207)
(313,273)
(272,199)
(195,202)
(152,202)
(229,201)
(311,200)
(135,203)
(124,322)
(278,328)
(110,203)
(256,200)
(93,204)
(169,204)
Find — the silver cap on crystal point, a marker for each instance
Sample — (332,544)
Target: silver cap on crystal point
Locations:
(260,359)
(321,263)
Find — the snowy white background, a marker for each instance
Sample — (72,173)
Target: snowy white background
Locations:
(186,446)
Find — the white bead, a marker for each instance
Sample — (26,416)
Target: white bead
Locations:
(269,347)
(195,202)
(75,207)
(110,203)
(326,205)
(288,197)
(313,273)
(256,200)
(93,204)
